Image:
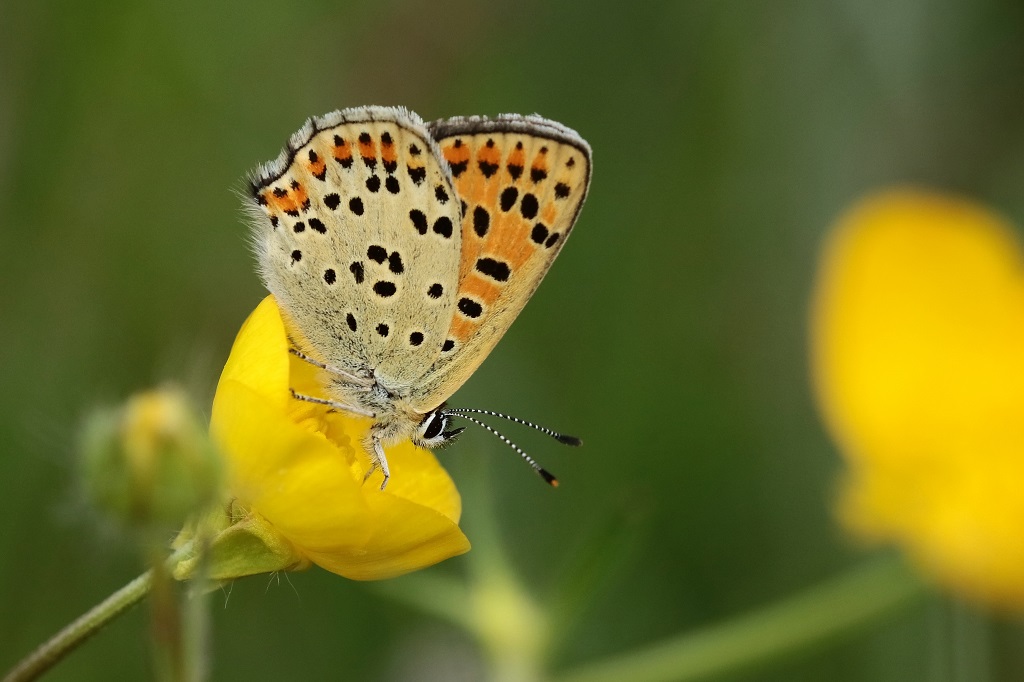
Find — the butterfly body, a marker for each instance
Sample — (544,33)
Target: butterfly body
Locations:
(400,251)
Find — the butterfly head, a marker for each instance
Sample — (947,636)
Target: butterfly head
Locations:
(433,431)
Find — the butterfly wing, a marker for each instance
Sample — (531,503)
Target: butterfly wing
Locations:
(357,236)
(522,181)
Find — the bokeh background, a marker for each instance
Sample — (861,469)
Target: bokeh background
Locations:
(670,334)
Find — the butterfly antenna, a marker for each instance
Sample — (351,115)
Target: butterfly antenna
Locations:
(560,437)
(544,473)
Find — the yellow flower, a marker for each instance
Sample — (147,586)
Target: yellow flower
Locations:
(296,470)
(917,335)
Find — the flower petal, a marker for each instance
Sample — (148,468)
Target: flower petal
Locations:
(406,537)
(299,481)
(259,357)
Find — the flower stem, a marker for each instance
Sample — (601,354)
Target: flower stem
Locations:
(820,614)
(88,624)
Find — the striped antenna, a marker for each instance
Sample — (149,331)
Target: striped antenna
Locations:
(544,473)
(560,437)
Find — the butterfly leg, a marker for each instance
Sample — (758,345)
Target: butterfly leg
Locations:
(352,378)
(382,462)
(331,403)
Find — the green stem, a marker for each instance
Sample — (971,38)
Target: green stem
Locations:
(87,625)
(822,613)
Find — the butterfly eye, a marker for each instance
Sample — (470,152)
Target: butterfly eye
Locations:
(432,428)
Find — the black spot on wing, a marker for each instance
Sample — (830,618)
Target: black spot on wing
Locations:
(488,169)
(419,220)
(470,308)
(443,226)
(529,206)
(385,289)
(481,221)
(395,263)
(418,175)
(508,198)
(495,269)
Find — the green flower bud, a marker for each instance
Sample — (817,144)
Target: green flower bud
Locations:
(150,462)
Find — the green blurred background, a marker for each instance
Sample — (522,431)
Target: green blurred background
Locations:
(670,335)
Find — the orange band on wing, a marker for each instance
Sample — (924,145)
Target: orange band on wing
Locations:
(342,151)
(516,161)
(462,328)
(539,167)
(317,168)
(387,152)
(367,148)
(480,289)
(488,159)
(456,153)
(301,197)
(281,200)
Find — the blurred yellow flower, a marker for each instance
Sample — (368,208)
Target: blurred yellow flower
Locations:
(297,468)
(917,339)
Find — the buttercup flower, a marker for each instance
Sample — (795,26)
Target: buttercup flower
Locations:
(296,472)
(917,332)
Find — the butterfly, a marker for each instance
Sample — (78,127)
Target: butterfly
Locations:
(400,252)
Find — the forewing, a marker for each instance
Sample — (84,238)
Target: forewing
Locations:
(357,237)
(522,182)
